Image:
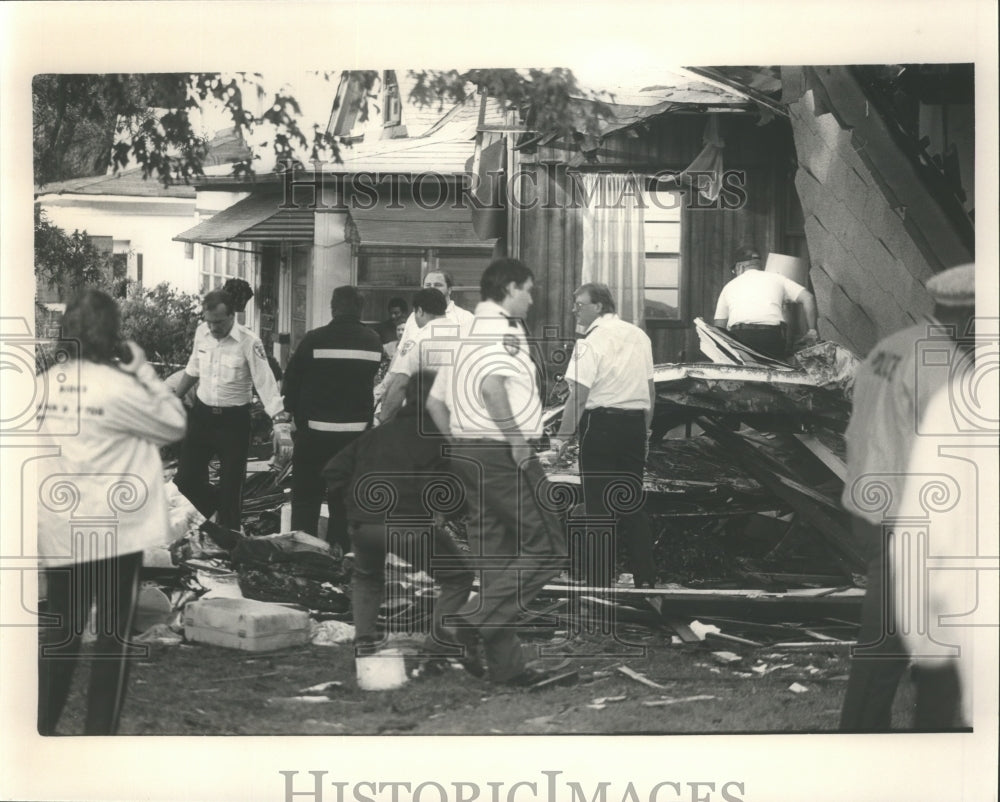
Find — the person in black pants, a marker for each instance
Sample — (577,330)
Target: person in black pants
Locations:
(101,503)
(227,361)
(611,395)
(328,388)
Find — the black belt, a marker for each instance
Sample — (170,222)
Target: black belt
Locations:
(615,411)
(756,326)
(221,410)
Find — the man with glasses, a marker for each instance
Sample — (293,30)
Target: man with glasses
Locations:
(751,306)
(611,397)
(228,362)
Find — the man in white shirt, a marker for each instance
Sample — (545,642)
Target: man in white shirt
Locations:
(442,282)
(489,402)
(611,397)
(751,306)
(436,340)
(228,362)
(892,389)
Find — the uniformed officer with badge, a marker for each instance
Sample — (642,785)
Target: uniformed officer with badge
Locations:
(892,390)
(228,362)
(489,402)
(611,396)
(328,390)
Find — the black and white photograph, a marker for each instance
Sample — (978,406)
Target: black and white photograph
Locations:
(389,417)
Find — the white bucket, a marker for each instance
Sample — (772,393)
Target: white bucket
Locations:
(381,671)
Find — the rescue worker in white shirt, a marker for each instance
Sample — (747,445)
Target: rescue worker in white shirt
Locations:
(435,337)
(611,397)
(108,420)
(228,362)
(892,389)
(751,306)
(489,402)
(442,282)
(328,390)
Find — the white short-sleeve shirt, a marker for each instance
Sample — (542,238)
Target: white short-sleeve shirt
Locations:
(757,297)
(615,362)
(495,346)
(229,369)
(431,348)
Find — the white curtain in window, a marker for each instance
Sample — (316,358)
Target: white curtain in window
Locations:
(613,246)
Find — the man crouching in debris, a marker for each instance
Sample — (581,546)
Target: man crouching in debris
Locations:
(389,473)
(750,306)
(892,389)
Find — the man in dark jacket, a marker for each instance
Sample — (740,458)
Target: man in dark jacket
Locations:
(390,474)
(328,390)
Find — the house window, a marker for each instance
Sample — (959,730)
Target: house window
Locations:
(387,273)
(662,234)
(393,107)
(235,260)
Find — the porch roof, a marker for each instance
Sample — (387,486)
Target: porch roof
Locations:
(414,226)
(254,219)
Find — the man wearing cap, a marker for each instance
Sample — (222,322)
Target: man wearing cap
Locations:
(228,362)
(751,306)
(611,395)
(490,404)
(892,389)
(328,391)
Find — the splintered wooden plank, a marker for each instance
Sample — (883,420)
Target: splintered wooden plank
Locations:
(824,455)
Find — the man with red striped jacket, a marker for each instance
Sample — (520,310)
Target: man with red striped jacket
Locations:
(328,388)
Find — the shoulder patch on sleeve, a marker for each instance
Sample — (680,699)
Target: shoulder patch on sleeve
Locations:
(511,344)
(579,349)
(258,349)
(406,348)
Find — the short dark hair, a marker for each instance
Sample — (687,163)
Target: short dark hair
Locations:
(397,303)
(431,300)
(598,294)
(216,297)
(346,300)
(746,253)
(92,319)
(449,282)
(500,273)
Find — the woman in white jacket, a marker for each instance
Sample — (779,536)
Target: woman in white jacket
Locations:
(101,502)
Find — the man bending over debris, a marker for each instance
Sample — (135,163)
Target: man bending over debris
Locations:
(892,390)
(405,453)
(750,306)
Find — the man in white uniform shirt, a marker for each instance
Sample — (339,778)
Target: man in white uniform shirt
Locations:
(490,404)
(228,361)
(751,306)
(892,389)
(442,282)
(436,339)
(611,397)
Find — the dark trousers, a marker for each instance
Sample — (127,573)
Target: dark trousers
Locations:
(515,544)
(224,433)
(313,449)
(876,671)
(370,543)
(767,340)
(613,454)
(71,591)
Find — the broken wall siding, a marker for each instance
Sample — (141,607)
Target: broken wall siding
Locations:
(869,261)
(549,237)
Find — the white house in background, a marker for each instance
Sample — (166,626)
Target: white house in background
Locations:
(134,219)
